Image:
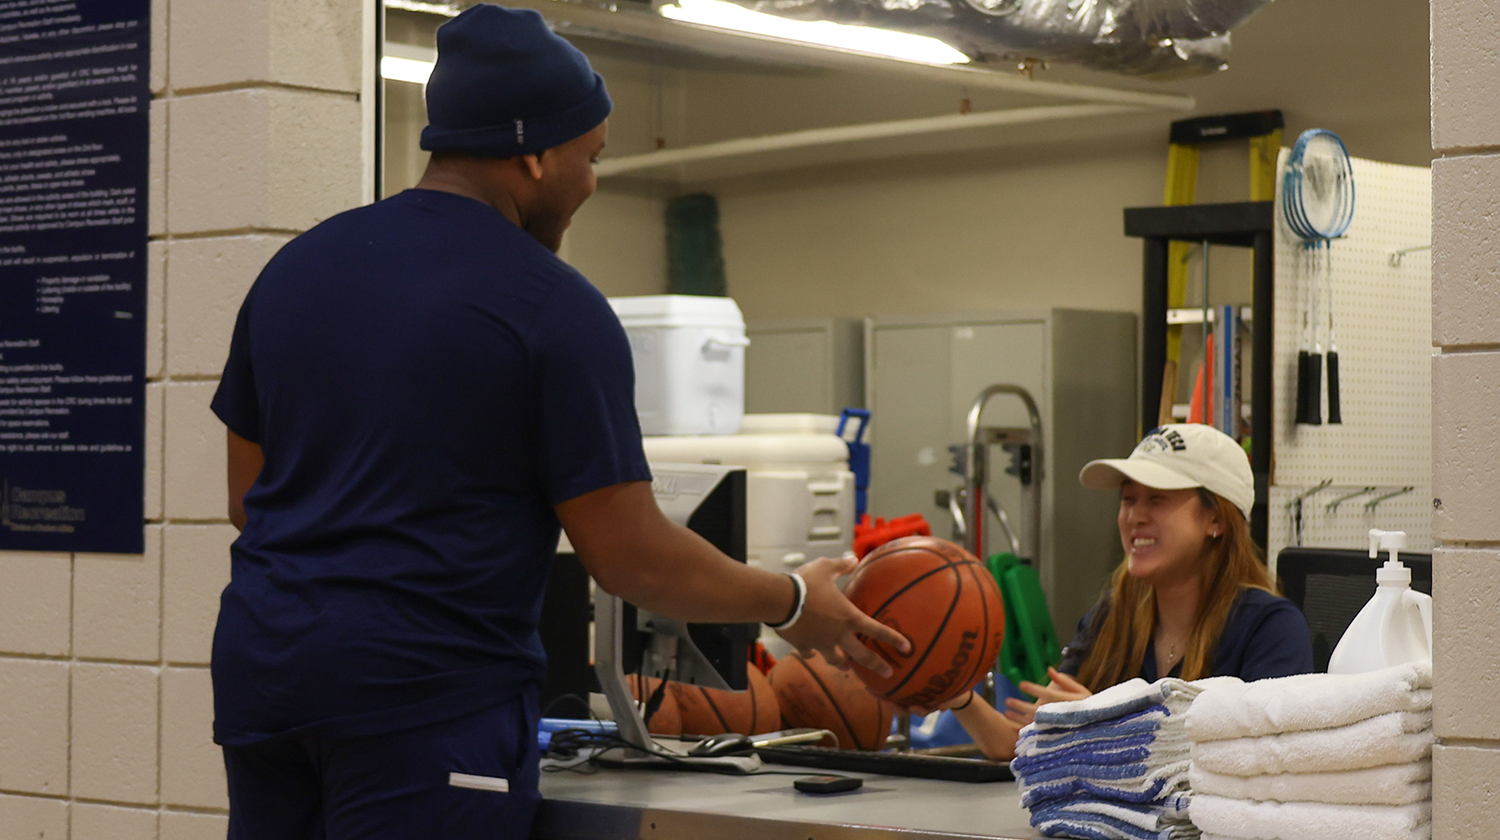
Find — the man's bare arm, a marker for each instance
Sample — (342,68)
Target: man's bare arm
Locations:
(245,462)
(635,552)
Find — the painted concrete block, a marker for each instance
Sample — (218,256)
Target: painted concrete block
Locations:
(111,822)
(1465,622)
(156,308)
(304,43)
(1466,446)
(264,158)
(192,766)
(156,410)
(159,41)
(1466,250)
(195,454)
(1465,792)
(34,739)
(117,603)
(1465,74)
(34,817)
(35,600)
(156,188)
(181,825)
(208,279)
(115,714)
(197,570)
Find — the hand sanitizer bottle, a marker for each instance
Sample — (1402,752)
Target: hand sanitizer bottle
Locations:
(1395,627)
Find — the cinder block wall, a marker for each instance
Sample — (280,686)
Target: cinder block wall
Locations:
(1466,418)
(105,699)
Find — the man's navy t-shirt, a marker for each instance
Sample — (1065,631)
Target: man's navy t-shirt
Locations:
(1266,636)
(426,381)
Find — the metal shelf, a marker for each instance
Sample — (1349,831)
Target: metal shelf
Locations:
(1245,224)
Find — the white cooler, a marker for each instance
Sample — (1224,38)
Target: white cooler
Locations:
(689,362)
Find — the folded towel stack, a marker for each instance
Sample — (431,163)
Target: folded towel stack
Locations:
(1112,766)
(1314,756)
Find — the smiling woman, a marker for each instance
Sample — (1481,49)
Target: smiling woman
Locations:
(1193,597)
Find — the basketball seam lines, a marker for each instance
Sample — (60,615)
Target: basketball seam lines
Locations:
(871,561)
(898,593)
(948,564)
(848,726)
(984,641)
(713,705)
(957,592)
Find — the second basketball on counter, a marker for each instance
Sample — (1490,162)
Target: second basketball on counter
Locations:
(945,602)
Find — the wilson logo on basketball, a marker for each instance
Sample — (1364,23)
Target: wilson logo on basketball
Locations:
(940,685)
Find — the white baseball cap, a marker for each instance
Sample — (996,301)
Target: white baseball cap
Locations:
(1177,457)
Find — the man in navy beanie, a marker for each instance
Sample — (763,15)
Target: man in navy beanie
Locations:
(419,395)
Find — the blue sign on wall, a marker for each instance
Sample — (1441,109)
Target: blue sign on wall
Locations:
(74,143)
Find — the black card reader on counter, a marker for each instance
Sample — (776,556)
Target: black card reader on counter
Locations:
(827,784)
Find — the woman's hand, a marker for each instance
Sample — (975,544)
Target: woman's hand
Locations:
(923,711)
(1062,688)
(993,733)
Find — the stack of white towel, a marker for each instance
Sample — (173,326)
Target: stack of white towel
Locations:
(1112,766)
(1315,756)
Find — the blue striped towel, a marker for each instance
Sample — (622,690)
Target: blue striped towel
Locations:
(1118,701)
(1149,786)
(1094,819)
(1147,721)
(1130,750)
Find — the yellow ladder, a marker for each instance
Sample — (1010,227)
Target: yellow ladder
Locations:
(1262,129)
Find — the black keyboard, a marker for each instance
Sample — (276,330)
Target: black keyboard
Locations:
(946,768)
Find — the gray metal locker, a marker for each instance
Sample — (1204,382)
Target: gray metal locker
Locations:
(810,365)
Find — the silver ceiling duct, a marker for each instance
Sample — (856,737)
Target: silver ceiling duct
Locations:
(1162,39)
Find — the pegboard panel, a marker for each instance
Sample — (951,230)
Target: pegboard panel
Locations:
(1348,526)
(1382,318)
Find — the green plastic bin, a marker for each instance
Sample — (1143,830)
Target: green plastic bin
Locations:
(1030,645)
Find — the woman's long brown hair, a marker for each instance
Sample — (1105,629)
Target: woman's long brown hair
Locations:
(1230,562)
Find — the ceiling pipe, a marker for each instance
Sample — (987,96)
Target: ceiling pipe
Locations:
(612,167)
(570,17)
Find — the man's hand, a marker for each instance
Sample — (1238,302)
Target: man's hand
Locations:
(831,625)
(1062,688)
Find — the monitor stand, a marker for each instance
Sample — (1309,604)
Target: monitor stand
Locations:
(687,660)
(663,757)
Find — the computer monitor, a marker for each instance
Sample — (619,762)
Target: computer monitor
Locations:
(1331,586)
(710,500)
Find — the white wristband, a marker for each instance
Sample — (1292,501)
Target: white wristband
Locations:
(797,606)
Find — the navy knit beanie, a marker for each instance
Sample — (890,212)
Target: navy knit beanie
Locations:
(505,85)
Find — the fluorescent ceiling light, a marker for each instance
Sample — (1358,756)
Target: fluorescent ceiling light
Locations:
(444,9)
(407,62)
(864,39)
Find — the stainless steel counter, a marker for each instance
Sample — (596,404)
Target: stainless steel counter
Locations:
(672,805)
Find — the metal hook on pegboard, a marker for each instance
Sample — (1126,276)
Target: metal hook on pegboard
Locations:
(1295,506)
(1375,502)
(1333,506)
(1395,256)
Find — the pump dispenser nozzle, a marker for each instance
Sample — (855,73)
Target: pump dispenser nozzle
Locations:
(1393,571)
(1395,626)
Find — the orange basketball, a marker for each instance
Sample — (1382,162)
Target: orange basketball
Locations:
(709,711)
(816,694)
(668,718)
(942,599)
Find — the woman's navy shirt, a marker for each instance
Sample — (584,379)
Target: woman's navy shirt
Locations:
(1266,636)
(426,381)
